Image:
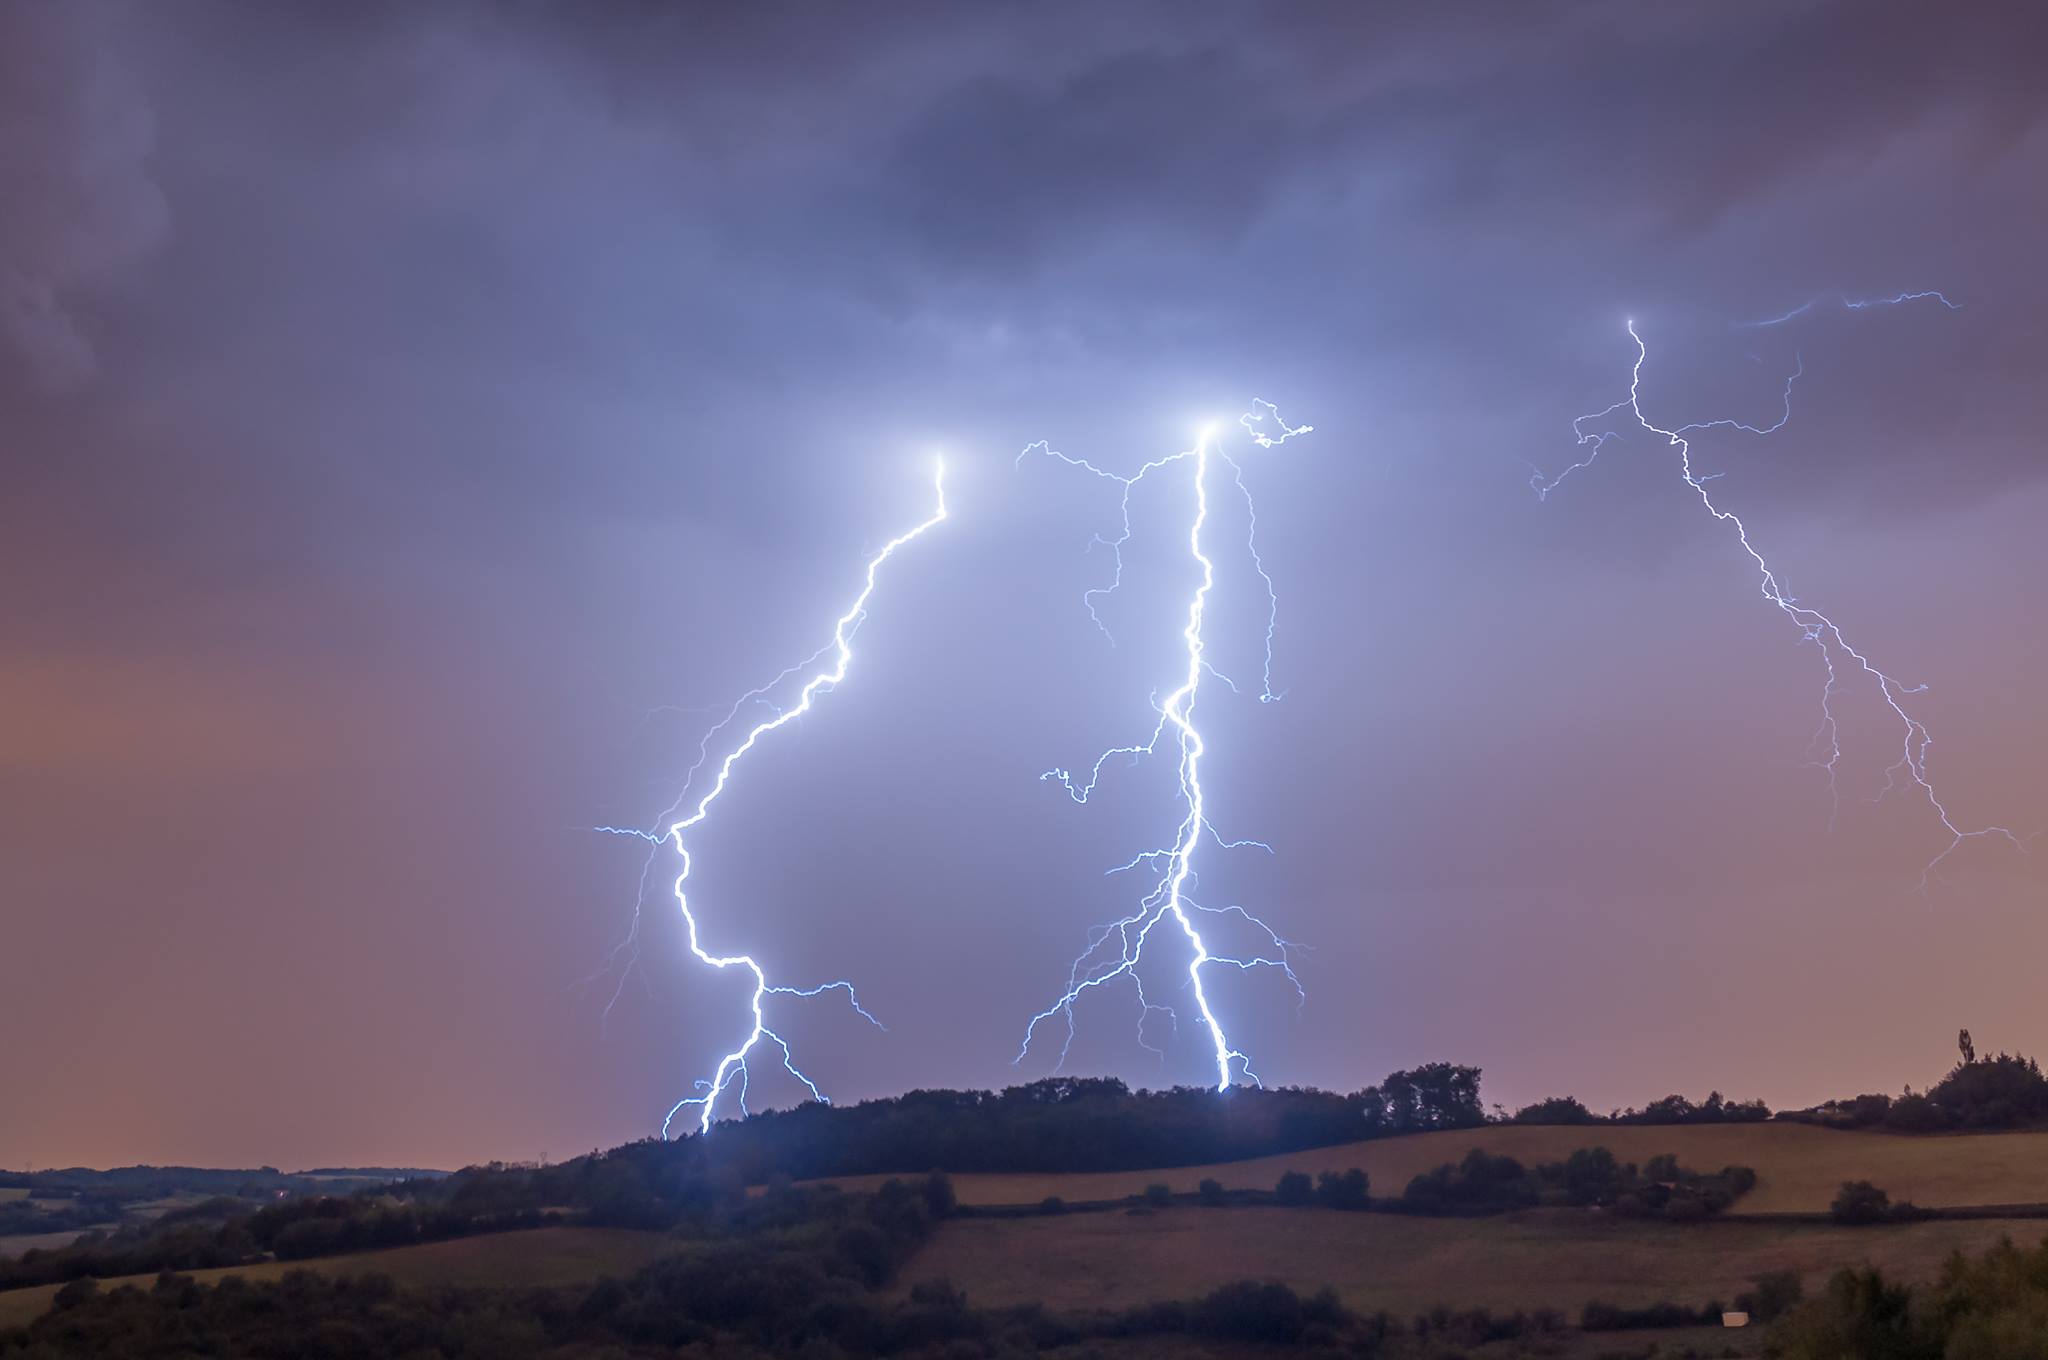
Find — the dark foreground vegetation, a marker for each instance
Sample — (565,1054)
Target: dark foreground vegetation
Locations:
(793,1273)
(1992,1307)
(1660,1188)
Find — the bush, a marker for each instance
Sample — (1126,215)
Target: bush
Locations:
(1248,1311)
(75,1293)
(1684,1207)
(1052,1204)
(1860,1202)
(1480,1184)
(1158,1194)
(1915,1114)
(1350,1190)
(1591,1176)
(1294,1188)
(1556,1110)
(1607,1317)
(1211,1191)
(938,1194)
(1773,1294)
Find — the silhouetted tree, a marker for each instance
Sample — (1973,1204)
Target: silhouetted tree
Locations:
(1860,1202)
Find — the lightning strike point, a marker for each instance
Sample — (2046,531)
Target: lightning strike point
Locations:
(1115,950)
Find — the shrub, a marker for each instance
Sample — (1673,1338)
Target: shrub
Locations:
(1249,1311)
(1052,1204)
(1481,1184)
(1774,1293)
(75,1293)
(1607,1317)
(1211,1191)
(938,1194)
(1350,1190)
(1860,1202)
(1591,1175)
(1685,1207)
(1294,1188)
(1915,1114)
(1158,1194)
(1556,1110)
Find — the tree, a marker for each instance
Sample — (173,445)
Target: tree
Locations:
(1993,1093)
(1968,1049)
(1775,1293)
(1351,1190)
(1556,1110)
(1591,1175)
(1860,1202)
(1914,1114)
(938,1194)
(1294,1187)
(1434,1096)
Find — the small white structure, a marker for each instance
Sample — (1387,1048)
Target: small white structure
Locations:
(1734,1319)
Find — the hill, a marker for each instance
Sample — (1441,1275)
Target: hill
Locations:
(1799,1166)
(541,1256)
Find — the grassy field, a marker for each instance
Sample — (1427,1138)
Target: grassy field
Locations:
(1541,1258)
(1799,1167)
(540,1256)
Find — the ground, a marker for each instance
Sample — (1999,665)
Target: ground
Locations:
(1799,1167)
(539,1256)
(1542,1258)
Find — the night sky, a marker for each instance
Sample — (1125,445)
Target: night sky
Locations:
(416,421)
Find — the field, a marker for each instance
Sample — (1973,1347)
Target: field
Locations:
(1799,1167)
(1548,1258)
(540,1256)
(1542,1258)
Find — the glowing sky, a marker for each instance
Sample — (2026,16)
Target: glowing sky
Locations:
(401,405)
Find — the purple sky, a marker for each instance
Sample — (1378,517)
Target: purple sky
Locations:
(417,419)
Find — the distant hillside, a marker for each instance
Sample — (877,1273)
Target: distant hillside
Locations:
(161,1182)
(45,1210)
(1799,1166)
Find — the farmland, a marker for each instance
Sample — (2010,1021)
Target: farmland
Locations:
(1799,1167)
(1542,1258)
(542,1256)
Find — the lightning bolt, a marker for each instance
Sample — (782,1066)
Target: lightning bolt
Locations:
(1114,951)
(1841,661)
(733,1067)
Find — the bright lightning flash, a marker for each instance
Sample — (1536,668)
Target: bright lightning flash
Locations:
(732,1068)
(1841,661)
(1103,961)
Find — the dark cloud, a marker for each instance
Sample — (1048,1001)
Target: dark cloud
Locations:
(81,206)
(513,371)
